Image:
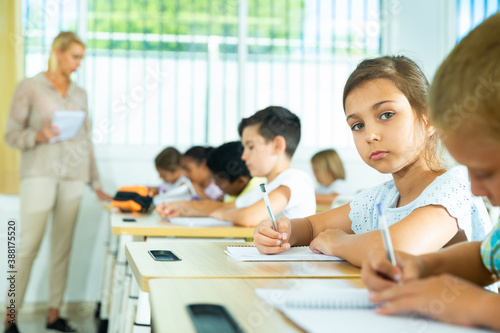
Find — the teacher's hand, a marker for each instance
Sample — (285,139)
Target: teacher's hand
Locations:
(47,133)
(102,196)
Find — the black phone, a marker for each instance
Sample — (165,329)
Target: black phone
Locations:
(125,219)
(212,318)
(164,255)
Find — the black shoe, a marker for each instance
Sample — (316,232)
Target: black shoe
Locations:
(60,325)
(12,329)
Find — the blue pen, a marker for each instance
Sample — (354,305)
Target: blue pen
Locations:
(386,236)
(192,190)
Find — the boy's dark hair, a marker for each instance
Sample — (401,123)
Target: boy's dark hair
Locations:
(169,159)
(198,153)
(274,121)
(225,161)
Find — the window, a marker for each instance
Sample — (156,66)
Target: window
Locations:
(472,12)
(185,72)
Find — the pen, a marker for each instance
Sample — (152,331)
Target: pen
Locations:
(163,192)
(386,236)
(268,206)
(192,190)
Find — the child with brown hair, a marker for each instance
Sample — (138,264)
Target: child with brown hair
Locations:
(465,107)
(427,207)
(174,186)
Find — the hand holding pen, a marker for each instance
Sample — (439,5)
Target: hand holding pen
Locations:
(270,236)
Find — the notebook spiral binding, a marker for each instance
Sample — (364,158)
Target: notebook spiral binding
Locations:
(329,303)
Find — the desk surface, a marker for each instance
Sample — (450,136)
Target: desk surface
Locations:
(169,297)
(208,260)
(151,225)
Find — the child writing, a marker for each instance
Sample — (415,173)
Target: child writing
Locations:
(229,172)
(471,133)
(270,138)
(426,207)
(330,174)
(194,164)
(168,166)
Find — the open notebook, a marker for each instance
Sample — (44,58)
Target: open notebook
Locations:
(298,253)
(199,221)
(346,310)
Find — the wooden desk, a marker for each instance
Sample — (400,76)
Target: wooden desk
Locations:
(146,225)
(149,225)
(169,297)
(208,260)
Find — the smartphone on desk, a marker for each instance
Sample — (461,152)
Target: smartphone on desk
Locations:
(163,255)
(212,318)
(126,219)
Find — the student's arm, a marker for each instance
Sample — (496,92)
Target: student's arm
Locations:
(300,231)
(425,230)
(446,298)
(190,208)
(200,192)
(421,282)
(325,199)
(153,190)
(250,216)
(463,260)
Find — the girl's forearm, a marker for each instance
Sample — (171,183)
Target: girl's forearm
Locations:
(354,248)
(485,312)
(301,233)
(463,260)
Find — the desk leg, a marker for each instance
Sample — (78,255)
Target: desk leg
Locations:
(107,282)
(131,306)
(142,322)
(126,310)
(117,287)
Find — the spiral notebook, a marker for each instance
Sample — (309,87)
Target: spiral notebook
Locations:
(296,253)
(346,310)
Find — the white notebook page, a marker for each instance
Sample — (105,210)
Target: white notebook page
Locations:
(299,253)
(347,310)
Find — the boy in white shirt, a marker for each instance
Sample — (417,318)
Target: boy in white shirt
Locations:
(270,138)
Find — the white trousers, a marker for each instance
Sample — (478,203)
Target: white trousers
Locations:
(39,197)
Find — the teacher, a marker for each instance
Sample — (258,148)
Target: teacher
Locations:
(53,175)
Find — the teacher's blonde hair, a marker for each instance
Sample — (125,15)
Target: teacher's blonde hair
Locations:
(62,42)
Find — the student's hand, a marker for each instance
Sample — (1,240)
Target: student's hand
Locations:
(324,242)
(103,196)
(168,210)
(378,273)
(47,133)
(269,241)
(153,191)
(446,298)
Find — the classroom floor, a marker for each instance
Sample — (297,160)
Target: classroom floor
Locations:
(80,317)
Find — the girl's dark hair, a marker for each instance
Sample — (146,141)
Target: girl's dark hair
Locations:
(198,153)
(225,161)
(407,76)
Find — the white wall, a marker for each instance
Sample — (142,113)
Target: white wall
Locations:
(421,29)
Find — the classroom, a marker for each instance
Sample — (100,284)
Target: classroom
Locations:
(249,165)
